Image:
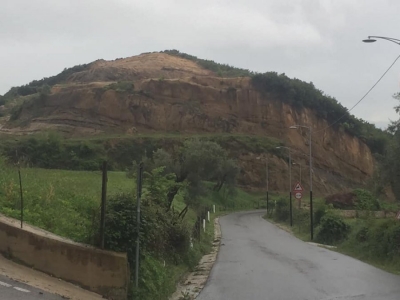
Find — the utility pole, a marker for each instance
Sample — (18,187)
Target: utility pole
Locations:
(267,176)
(21,195)
(139,195)
(311,176)
(290,182)
(103,204)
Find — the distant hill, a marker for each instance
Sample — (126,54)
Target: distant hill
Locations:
(169,93)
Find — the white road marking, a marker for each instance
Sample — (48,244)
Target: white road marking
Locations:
(21,290)
(5,284)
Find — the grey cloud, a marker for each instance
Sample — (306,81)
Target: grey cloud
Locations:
(318,41)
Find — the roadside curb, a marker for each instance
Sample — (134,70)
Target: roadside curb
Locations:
(322,245)
(195,281)
(288,230)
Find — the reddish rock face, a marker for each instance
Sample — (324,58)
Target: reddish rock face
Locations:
(174,95)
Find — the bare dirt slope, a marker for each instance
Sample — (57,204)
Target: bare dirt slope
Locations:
(151,65)
(168,94)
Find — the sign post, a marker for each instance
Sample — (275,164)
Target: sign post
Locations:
(298,192)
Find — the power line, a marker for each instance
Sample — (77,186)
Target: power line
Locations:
(366,94)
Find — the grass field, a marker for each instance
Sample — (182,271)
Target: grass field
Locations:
(67,203)
(63,202)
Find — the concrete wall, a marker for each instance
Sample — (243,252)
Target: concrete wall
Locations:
(100,271)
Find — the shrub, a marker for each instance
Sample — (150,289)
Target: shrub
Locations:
(362,234)
(282,209)
(365,200)
(393,240)
(121,86)
(301,220)
(332,229)
(319,214)
(342,200)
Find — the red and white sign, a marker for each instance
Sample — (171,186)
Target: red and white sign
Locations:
(297,187)
(398,216)
(298,195)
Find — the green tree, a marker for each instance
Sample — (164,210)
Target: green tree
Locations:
(194,163)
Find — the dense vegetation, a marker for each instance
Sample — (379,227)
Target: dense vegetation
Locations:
(366,237)
(51,150)
(221,70)
(389,171)
(37,86)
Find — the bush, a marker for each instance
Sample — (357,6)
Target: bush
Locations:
(319,214)
(301,220)
(332,229)
(282,211)
(362,234)
(121,86)
(342,200)
(365,200)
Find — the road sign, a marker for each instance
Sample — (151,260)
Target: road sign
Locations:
(298,195)
(398,216)
(297,187)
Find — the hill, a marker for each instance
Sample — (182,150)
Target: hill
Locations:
(170,93)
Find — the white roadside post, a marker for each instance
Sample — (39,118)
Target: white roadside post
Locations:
(204,225)
(208,216)
(214,208)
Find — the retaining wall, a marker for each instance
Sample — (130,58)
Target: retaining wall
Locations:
(103,272)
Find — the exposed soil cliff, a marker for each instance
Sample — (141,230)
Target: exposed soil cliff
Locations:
(174,95)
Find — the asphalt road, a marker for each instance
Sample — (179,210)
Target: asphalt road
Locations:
(13,290)
(258,261)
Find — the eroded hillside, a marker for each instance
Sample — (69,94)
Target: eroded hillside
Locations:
(164,94)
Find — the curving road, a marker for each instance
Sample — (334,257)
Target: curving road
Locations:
(258,261)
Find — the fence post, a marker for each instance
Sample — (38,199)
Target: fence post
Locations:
(103,203)
(199,226)
(21,195)
(139,195)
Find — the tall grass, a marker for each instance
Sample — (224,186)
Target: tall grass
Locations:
(64,202)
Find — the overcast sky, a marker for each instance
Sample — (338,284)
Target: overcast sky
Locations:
(318,41)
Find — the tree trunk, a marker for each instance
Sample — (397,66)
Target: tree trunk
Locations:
(220,183)
(170,196)
(184,211)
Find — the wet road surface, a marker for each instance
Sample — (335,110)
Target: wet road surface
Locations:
(13,290)
(259,261)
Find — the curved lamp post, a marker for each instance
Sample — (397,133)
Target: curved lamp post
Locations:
(290,183)
(311,181)
(373,38)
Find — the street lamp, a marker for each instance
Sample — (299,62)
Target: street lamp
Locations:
(311,181)
(266,176)
(290,183)
(372,39)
